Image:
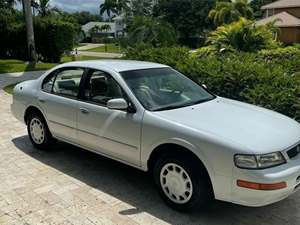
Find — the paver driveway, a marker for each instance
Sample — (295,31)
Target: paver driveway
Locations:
(67,185)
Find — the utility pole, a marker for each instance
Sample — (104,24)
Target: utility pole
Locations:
(29,29)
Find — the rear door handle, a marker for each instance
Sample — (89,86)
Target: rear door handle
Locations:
(84,111)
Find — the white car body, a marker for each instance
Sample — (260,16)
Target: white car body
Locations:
(215,131)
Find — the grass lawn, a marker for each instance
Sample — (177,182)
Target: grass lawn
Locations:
(111,48)
(12,65)
(9,89)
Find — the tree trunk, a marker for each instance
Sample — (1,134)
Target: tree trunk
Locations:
(29,28)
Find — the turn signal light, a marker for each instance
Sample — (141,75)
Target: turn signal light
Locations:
(258,186)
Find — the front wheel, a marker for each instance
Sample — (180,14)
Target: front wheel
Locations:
(38,132)
(183,184)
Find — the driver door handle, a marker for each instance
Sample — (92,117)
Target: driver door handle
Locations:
(84,111)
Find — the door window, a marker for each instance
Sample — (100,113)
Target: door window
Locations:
(101,88)
(67,82)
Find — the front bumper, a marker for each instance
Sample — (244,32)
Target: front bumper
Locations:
(289,173)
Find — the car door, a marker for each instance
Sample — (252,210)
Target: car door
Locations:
(58,100)
(115,133)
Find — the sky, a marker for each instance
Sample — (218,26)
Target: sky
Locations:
(78,5)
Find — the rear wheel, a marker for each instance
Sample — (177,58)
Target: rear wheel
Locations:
(183,184)
(38,131)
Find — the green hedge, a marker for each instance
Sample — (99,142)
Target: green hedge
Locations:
(249,77)
(53,37)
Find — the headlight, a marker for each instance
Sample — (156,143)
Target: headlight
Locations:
(259,161)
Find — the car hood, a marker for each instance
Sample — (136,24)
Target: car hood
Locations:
(255,128)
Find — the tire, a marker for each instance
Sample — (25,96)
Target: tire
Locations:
(182,182)
(38,132)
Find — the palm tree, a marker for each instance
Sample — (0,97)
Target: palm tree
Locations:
(105,27)
(151,31)
(94,30)
(230,11)
(141,7)
(109,6)
(122,6)
(29,29)
(44,7)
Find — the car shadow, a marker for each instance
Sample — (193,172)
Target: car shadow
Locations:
(135,188)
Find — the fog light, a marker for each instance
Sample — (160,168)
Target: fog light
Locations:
(258,186)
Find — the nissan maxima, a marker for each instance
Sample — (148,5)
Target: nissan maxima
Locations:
(198,146)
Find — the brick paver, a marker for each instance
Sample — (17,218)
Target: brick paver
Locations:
(67,185)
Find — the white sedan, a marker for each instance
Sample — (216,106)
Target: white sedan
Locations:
(198,146)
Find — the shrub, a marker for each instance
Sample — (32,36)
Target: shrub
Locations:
(241,76)
(244,36)
(168,56)
(53,38)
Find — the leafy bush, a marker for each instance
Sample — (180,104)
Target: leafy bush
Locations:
(168,56)
(12,34)
(241,76)
(243,35)
(53,38)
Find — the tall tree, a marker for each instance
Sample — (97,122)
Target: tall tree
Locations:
(151,31)
(44,7)
(29,29)
(122,6)
(188,17)
(108,6)
(227,12)
(141,7)
(256,7)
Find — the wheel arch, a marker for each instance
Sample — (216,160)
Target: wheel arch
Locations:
(178,149)
(33,109)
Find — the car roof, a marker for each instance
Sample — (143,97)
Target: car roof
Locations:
(116,65)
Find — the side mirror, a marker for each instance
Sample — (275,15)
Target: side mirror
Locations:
(118,104)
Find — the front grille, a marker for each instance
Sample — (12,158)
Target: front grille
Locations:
(292,153)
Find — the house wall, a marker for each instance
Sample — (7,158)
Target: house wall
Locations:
(293,11)
(289,35)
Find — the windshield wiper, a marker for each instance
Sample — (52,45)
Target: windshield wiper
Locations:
(168,108)
(181,106)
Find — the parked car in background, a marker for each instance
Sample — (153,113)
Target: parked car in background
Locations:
(198,146)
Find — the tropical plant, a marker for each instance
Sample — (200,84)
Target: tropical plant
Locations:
(122,6)
(44,7)
(228,12)
(242,35)
(94,30)
(141,7)
(151,31)
(105,27)
(108,6)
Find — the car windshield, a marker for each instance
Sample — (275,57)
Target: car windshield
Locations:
(164,89)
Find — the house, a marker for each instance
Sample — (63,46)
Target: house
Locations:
(108,29)
(286,15)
